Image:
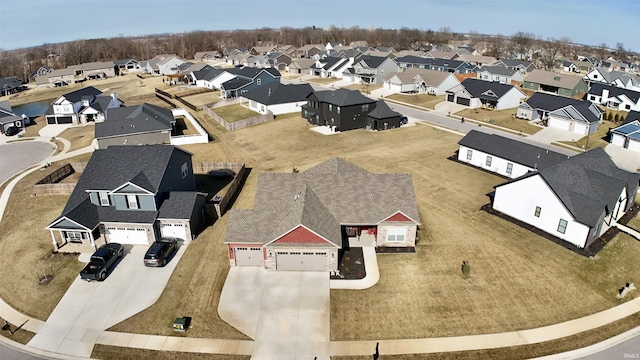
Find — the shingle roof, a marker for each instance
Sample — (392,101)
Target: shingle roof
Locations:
(556,79)
(383,111)
(100,103)
(477,87)
(207,73)
(515,62)
(79,94)
(512,150)
(134,120)
(10,82)
(336,165)
(178,205)
(597,88)
(371,61)
(499,70)
(123,61)
(631,116)
(582,112)
(235,83)
(343,97)
(550,102)
(277,93)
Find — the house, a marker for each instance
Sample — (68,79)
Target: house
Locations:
(476,93)
(370,69)
(207,56)
(576,200)
(80,106)
(144,124)
(614,97)
(278,61)
(301,66)
(163,64)
(303,221)
(234,50)
(341,109)
(288,50)
(441,54)
(8,118)
(500,74)
(515,64)
(262,50)
(331,45)
(567,66)
(616,78)
(42,70)
(556,83)
(278,98)
(383,118)
(477,60)
(246,79)
(422,81)
(57,77)
(11,85)
(211,78)
(439,64)
(504,156)
(626,135)
(95,70)
(151,195)
(127,65)
(330,67)
(582,119)
(309,51)
(540,105)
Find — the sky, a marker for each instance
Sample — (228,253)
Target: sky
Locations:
(25,23)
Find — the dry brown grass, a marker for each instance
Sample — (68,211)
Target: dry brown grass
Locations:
(597,139)
(184,127)
(236,112)
(120,353)
(503,118)
(80,136)
(319,80)
(422,100)
(32,130)
(204,98)
(363,88)
(21,336)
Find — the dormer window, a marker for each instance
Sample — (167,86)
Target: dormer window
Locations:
(132,202)
(104,198)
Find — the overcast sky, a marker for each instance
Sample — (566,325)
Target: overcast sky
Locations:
(25,23)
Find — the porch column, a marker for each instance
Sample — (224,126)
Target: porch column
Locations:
(55,243)
(93,243)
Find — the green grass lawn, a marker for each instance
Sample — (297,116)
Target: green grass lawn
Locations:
(422,100)
(503,118)
(598,139)
(236,112)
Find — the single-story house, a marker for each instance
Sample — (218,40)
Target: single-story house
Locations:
(207,55)
(144,124)
(302,221)
(278,98)
(626,135)
(300,66)
(475,93)
(539,105)
(505,156)
(514,64)
(556,83)
(423,81)
(57,77)
(582,119)
(614,97)
(576,200)
(383,118)
(130,65)
(11,85)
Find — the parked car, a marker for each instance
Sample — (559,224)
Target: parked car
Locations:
(12,130)
(160,251)
(404,120)
(101,261)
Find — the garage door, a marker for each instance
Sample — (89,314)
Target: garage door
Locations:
(51,120)
(131,236)
(580,129)
(450,97)
(560,124)
(173,230)
(617,139)
(634,145)
(65,120)
(463,101)
(301,260)
(248,256)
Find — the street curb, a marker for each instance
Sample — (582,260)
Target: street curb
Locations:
(595,348)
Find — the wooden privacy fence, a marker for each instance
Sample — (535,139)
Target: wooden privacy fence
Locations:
(221,203)
(50,184)
(237,125)
(205,167)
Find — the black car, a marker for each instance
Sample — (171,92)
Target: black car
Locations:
(160,251)
(12,130)
(101,261)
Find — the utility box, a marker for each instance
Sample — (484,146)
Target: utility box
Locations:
(181,324)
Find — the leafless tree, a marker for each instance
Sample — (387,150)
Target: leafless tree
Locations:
(521,44)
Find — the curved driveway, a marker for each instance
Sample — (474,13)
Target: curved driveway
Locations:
(20,155)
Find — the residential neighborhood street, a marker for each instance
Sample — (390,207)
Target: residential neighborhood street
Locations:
(17,156)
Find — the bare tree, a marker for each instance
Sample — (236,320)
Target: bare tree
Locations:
(521,44)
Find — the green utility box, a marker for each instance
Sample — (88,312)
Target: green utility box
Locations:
(181,324)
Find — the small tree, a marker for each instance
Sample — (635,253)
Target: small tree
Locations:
(295,170)
(466,268)
(616,118)
(609,116)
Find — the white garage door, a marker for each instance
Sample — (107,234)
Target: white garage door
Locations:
(131,236)
(634,145)
(560,124)
(395,87)
(617,139)
(580,129)
(301,260)
(173,230)
(248,256)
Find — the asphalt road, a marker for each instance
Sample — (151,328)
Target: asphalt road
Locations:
(9,353)
(629,349)
(17,156)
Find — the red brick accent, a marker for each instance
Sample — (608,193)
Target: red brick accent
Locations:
(398,217)
(300,235)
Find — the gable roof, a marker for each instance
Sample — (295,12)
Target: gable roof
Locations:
(277,93)
(478,88)
(597,88)
(512,150)
(383,111)
(583,112)
(10,82)
(100,103)
(80,94)
(207,74)
(514,63)
(430,77)
(134,120)
(631,116)
(498,70)
(556,79)
(336,165)
(371,61)
(342,97)
(550,102)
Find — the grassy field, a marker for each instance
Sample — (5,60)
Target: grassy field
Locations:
(26,246)
(79,136)
(319,80)
(204,98)
(363,88)
(32,130)
(21,336)
(119,353)
(503,118)
(423,100)
(598,139)
(236,112)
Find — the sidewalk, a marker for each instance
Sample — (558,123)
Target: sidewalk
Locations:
(632,232)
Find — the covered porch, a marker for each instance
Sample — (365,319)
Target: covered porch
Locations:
(69,236)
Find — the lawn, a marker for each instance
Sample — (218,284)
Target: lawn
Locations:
(120,353)
(598,139)
(204,98)
(503,118)
(26,246)
(21,336)
(319,80)
(184,127)
(363,88)
(36,124)
(422,100)
(79,136)
(236,112)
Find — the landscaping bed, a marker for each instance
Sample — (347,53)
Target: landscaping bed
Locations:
(351,265)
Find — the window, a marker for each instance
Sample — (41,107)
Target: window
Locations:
(258,81)
(592,97)
(469,154)
(595,76)
(132,201)
(338,109)
(104,198)
(562,226)
(365,107)
(538,210)
(488,162)
(395,234)
(185,170)
(509,168)
(330,107)
(628,107)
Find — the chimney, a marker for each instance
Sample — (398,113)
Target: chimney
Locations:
(113,96)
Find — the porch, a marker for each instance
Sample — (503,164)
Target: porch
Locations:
(76,240)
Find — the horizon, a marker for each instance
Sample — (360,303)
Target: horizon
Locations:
(146,18)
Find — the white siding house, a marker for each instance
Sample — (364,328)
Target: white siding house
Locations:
(627,135)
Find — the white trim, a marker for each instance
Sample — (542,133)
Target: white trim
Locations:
(115,191)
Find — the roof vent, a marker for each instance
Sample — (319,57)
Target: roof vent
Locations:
(556,78)
(296,196)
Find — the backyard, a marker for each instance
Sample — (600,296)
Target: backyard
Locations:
(503,118)
(79,136)
(422,100)
(236,112)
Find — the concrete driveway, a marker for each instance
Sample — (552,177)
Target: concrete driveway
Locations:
(625,159)
(446,107)
(20,155)
(88,308)
(286,313)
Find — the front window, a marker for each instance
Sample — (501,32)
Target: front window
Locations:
(537,212)
(395,234)
(365,107)
(469,154)
(132,201)
(104,199)
(488,162)
(330,107)
(509,168)
(562,226)
(185,170)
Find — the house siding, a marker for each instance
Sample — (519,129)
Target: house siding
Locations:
(172,179)
(409,234)
(498,165)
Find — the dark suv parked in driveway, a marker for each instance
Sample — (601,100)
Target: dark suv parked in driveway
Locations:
(11,130)
(160,251)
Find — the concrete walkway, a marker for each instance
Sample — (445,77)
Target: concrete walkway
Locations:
(631,232)
(371,269)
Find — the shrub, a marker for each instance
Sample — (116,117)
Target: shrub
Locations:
(616,118)
(466,268)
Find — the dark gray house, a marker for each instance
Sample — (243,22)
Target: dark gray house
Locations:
(247,78)
(11,85)
(540,105)
(340,109)
(383,118)
(144,124)
(449,65)
(131,195)
(9,119)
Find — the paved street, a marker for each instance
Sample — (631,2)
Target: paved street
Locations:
(20,155)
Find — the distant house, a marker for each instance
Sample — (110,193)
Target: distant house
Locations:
(370,69)
(56,78)
(476,93)
(540,105)
(80,106)
(301,66)
(278,98)
(567,66)
(163,64)
(144,124)
(614,97)
(330,67)
(288,50)
(301,221)
(515,64)
(556,83)
(127,65)
(505,156)
(42,70)
(309,51)
(422,81)
(477,60)
(576,200)
(234,50)
(95,70)
(8,118)
(11,85)
(438,64)
(500,74)
(246,79)
(206,56)
(626,135)
(278,61)
(211,78)
(616,78)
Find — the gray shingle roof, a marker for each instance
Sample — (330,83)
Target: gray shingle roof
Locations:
(512,150)
(550,102)
(178,205)
(80,94)
(550,78)
(383,111)
(631,116)
(477,87)
(498,70)
(134,120)
(277,93)
(342,97)
(597,88)
(336,165)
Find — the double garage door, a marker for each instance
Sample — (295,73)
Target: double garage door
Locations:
(130,236)
(173,230)
(60,120)
(301,260)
